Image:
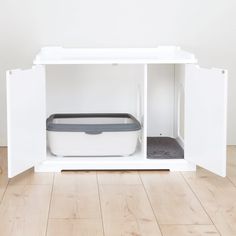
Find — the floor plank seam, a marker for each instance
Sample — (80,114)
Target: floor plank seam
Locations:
(200,202)
(49,209)
(234,185)
(140,177)
(71,218)
(187,224)
(100,204)
(28,184)
(7,178)
(4,192)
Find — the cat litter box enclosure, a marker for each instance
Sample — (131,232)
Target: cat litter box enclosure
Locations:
(92,134)
(172,97)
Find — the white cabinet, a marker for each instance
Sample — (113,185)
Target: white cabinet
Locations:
(162,87)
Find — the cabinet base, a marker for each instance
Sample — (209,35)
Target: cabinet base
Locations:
(122,163)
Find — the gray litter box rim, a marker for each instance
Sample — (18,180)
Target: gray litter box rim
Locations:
(92,128)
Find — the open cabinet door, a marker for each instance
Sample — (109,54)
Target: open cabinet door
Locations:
(206,118)
(26,119)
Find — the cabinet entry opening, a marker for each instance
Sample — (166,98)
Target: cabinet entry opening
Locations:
(165,112)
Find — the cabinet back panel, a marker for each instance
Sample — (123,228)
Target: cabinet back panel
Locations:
(93,88)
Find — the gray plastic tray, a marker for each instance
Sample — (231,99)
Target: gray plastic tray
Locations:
(93,128)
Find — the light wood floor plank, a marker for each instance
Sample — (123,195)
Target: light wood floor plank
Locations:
(218,196)
(75,227)
(231,164)
(118,177)
(24,210)
(32,178)
(126,211)
(75,196)
(189,230)
(172,199)
(3,172)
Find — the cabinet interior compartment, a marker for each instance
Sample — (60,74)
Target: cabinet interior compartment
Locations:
(96,89)
(165,112)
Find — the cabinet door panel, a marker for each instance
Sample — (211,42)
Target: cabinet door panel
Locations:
(26,119)
(205,118)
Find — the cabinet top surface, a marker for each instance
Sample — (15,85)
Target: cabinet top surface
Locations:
(159,55)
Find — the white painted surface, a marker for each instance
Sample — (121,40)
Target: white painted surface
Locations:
(160,100)
(145,109)
(179,108)
(74,88)
(26,119)
(134,162)
(161,55)
(206,28)
(94,88)
(205,118)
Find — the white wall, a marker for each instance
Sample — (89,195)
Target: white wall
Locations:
(205,27)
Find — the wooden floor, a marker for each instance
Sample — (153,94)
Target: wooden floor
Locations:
(112,203)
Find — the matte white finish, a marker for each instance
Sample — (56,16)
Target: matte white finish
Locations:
(145,125)
(205,118)
(134,162)
(179,107)
(160,100)
(94,89)
(26,119)
(159,55)
(59,164)
(81,91)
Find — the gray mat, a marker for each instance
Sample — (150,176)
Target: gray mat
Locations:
(164,148)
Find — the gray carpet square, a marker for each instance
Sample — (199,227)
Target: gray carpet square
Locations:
(164,148)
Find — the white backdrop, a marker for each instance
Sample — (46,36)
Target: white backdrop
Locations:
(204,27)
